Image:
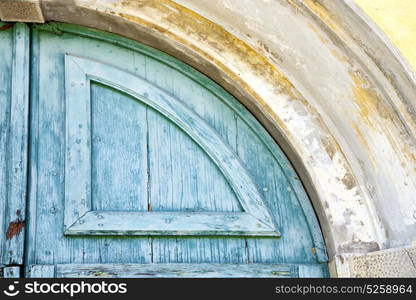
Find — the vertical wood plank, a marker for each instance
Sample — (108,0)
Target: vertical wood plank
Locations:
(6,54)
(18,147)
(119,151)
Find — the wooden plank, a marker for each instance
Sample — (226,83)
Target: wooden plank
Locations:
(11,272)
(183,177)
(119,175)
(40,271)
(296,244)
(6,54)
(18,147)
(313,271)
(52,246)
(78,144)
(169,223)
(199,130)
(177,270)
(47,244)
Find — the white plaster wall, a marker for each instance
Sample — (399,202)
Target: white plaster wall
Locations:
(376,140)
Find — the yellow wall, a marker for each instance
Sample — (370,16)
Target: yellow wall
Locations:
(398,19)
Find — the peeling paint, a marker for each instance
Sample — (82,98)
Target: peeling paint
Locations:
(6,26)
(358,246)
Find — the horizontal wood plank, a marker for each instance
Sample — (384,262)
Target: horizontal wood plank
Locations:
(40,271)
(169,223)
(11,272)
(177,270)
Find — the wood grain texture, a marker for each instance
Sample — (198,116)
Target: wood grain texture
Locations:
(11,272)
(119,171)
(146,158)
(78,159)
(6,54)
(224,158)
(169,223)
(14,140)
(177,270)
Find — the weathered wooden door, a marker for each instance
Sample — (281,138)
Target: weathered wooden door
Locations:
(140,166)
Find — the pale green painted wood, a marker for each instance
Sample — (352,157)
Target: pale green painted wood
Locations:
(46,243)
(14,109)
(11,272)
(79,73)
(178,270)
(259,155)
(169,223)
(119,175)
(40,271)
(6,55)
(282,199)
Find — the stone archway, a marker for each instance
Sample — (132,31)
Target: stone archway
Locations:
(319,76)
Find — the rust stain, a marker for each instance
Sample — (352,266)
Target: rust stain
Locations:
(15,227)
(6,26)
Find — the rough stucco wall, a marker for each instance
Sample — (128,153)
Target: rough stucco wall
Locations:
(398,21)
(356,107)
(345,122)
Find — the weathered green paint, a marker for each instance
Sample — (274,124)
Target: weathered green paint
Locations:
(14,109)
(181,270)
(139,163)
(168,223)
(79,72)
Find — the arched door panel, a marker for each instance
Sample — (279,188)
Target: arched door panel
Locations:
(140,166)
